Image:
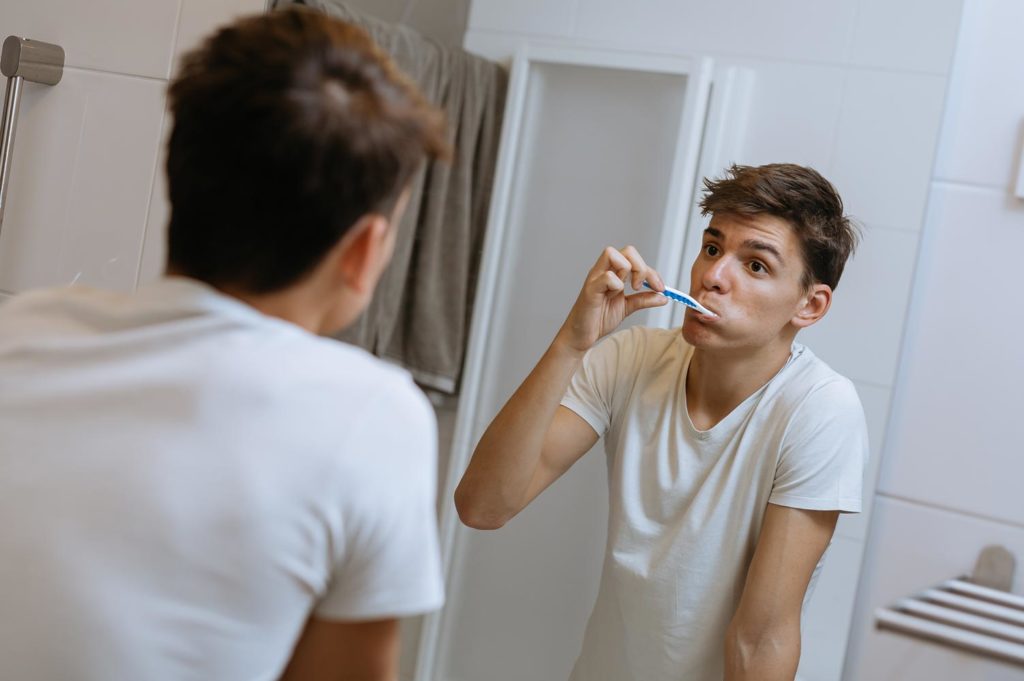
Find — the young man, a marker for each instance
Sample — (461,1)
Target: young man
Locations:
(193,483)
(732,448)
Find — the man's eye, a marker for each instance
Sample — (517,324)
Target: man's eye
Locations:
(711,249)
(757,267)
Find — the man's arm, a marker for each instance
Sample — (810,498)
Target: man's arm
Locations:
(763,639)
(533,440)
(345,651)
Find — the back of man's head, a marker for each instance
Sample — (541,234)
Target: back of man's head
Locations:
(288,128)
(802,197)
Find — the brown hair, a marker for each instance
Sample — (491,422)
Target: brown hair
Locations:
(288,128)
(802,197)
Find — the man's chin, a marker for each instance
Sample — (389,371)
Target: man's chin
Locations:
(696,334)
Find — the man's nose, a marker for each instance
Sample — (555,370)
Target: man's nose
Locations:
(716,276)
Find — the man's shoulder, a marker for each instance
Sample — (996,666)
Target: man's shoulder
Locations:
(52,301)
(638,351)
(333,371)
(326,359)
(810,383)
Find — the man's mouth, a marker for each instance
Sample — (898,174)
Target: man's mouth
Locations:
(715,313)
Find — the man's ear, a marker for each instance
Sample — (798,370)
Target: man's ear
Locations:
(815,304)
(362,253)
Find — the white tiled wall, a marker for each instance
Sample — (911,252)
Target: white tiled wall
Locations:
(828,614)
(795,30)
(535,17)
(875,400)
(913,546)
(80,182)
(869,307)
(776,129)
(985,119)
(119,36)
(85,163)
(959,400)
(909,35)
(950,480)
(885,145)
(855,89)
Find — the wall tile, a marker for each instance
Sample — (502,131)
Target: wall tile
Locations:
(984,126)
(538,17)
(860,335)
(82,171)
(912,548)
(955,435)
(826,622)
(885,34)
(793,113)
(785,29)
(885,146)
(875,400)
(124,36)
(664,25)
(807,30)
(154,246)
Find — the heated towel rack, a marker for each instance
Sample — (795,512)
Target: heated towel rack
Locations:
(977,614)
(22,60)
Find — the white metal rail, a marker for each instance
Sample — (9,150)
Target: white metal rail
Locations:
(961,614)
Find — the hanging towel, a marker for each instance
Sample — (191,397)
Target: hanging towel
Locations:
(420,313)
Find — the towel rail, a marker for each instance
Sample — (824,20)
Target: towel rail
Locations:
(21,60)
(966,613)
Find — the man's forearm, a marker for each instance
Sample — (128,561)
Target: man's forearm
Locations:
(507,457)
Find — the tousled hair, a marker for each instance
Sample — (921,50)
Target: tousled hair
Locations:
(802,197)
(288,128)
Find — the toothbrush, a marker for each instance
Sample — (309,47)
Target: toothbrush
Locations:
(681,297)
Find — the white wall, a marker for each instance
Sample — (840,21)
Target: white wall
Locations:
(442,20)
(951,477)
(841,86)
(87,169)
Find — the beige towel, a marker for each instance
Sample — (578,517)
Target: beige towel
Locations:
(420,313)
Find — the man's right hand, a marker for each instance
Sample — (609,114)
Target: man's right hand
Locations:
(603,303)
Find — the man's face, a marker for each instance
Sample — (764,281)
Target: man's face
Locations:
(750,273)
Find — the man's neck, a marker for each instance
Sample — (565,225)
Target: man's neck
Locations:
(718,382)
(295,304)
(290,306)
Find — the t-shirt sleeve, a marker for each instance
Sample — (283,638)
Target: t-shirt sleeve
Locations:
(390,562)
(824,452)
(592,389)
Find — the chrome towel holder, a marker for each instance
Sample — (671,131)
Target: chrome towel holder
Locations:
(22,59)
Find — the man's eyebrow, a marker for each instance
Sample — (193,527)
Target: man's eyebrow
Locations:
(763,246)
(749,243)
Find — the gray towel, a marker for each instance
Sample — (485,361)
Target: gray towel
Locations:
(420,313)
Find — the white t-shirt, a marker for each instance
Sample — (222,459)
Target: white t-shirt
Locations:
(686,506)
(184,480)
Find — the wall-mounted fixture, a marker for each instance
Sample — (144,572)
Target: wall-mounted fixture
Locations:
(976,613)
(22,60)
